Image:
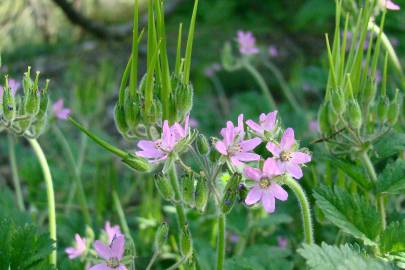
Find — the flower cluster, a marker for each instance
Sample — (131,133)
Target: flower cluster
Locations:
(237,148)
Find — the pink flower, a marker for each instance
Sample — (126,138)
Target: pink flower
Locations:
(112,254)
(14,86)
(267,123)
(78,249)
(247,43)
(288,160)
(313,126)
(160,149)
(266,189)
(112,232)
(212,69)
(390,5)
(60,111)
(282,242)
(234,146)
(273,51)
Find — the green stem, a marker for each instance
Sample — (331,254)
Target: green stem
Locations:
(76,174)
(373,175)
(305,209)
(14,171)
(262,83)
(50,194)
(221,242)
(181,216)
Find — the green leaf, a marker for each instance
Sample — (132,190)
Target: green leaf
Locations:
(392,179)
(393,238)
(350,212)
(389,145)
(344,257)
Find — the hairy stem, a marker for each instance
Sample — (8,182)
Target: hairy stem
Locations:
(181,216)
(14,171)
(50,194)
(305,209)
(221,242)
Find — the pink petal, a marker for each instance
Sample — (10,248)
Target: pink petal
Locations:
(122,267)
(262,117)
(246,157)
(221,147)
(150,153)
(58,105)
(101,266)
(269,202)
(187,124)
(391,5)
(144,145)
(252,173)
(236,162)
(102,250)
(249,145)
(229,133)
(270,121)
(278,192)
(274,149)
(118,247)
(294,169)
(288,140)
(254,126)
(240,124)
(254,195)
(270,168)
(300,158)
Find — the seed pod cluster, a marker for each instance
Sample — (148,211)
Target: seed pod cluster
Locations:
(231,193)
(164,187)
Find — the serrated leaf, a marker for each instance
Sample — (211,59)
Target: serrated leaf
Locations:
(389,145)
(393,238)
(344,257)
(392,179)
(350,212)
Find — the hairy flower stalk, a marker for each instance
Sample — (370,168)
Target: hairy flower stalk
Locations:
(14,170)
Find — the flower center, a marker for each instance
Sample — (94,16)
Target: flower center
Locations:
(160,146)
(285,156)
(234,148)
(264,183)
(113,263)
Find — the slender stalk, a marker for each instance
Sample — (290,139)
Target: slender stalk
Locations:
(305,209)
(14,171)
(76,174)
(153,260)
(50,194)
(181,216)
(380,199)
(221,242)
(262,83)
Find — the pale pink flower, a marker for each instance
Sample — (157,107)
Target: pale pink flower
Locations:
(267,123)
(234,146)
(313,126)
(282,242)
(273,51)
(60,111)
(112,231)
(78,249)
(390,5)
(288,160)
(266,189)
(160,149)
(112,254)
(247,43)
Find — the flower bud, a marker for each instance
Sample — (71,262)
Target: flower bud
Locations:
(137,163)
(214,155)
(202,145)
(243,192)
(393,110)
(338,102)
(369,92)
(39,125)
(27,83)
(89,234)
(43,102)
(201,194)
(230,193)
(161,236)
(154,115)
(188,189)
(183,98)
(131,110)
(382,109)
(333,117)
(323,119)
(355,115)
(229,61)
(31,102)
(164,187)
(119,117)
(9,104)
(186,242)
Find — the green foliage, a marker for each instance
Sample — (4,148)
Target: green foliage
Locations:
(390,145)
(393,238)
(350,212)
(344,257)
(392,179)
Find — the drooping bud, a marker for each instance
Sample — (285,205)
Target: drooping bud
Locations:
(323,119)
(164,187)
(230,193)
(183,98)
(202,145)
(188,189)
(161,236)
(137,163)
(355,115)
(338,102)
(186,242)
(201,194)
(119,117)
(393,109)
(382,109)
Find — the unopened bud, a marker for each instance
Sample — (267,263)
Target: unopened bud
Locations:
(137,163)
(164,187)
(382,109)
(201,194)
(369,92)
(155,113)
(243,192)
(214,155)
(229,61)
(188,188)
(323,119)
(27,83)
(333,117)
(39,125)
(119,117)
(9,104)
(183,98)
(230,193)
(31,103)
(355,115)
(186,242)
(393,109)
(161,236)
(202,145)
(89,234)
(338,102)
(131,109)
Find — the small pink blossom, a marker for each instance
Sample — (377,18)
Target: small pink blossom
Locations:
(266,189)
(112,254)
(234,146)
(282,242)
(390,5)
(78,249)
(112,231)
(212,69)
(313,126)
(267,123)
(60,111)
(273,51)
(247,43)
(160,149)
(288,160)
